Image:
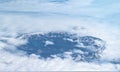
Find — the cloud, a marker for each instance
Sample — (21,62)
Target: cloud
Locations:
(12,25)
(100,9)
(86,17)
(17,63)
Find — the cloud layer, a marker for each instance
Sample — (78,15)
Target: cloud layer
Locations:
(89,17)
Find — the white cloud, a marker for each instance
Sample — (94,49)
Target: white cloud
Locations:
(91,8)
(17,63)
(26,24)
(48,43)
(13,23)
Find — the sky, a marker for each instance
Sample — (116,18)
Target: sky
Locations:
(99,18)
